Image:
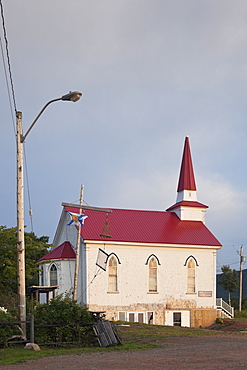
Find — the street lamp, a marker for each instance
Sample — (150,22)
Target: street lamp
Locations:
(20,138)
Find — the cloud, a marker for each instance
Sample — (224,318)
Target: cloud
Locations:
(225,200)
(151,72)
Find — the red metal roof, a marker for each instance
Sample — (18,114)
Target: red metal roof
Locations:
(186,178)
(63,251)
(138,226)
(187,203)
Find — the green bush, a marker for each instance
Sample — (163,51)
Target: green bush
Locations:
(63,311)
(235,303)
(244,303)
(7,330)
(242,314)
(9,300)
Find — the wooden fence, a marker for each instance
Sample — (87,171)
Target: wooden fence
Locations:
(105,332)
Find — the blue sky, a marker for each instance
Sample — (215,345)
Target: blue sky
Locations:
(151,72)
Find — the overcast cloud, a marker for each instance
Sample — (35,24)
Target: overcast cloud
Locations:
(152,72)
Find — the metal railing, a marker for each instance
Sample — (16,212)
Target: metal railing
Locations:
(225,307)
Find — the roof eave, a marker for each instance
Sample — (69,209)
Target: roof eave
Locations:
(164,245)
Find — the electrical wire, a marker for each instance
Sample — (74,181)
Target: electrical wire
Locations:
(8,58)
(95,275)
(14,99)
(28,190)
(8,89)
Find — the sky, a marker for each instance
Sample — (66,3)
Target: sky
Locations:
(151,73)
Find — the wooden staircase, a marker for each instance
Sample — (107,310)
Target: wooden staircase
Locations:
(224,310)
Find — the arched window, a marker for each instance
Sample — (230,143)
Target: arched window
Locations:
(152,275)
(112,275)
(191,284)
(53,275)
(41,274)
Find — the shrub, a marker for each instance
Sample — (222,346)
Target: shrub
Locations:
(242,314)
(235,303)
(63,311)
(9,300)
(7,330)
(244,304)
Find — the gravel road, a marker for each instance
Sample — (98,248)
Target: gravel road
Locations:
(202,352)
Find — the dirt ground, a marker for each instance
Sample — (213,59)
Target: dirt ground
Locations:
(202,352)
(223,351)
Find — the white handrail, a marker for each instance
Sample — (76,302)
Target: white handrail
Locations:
(225,306)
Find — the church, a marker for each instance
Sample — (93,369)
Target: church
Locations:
(154,267)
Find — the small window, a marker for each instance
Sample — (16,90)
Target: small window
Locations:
(131,317)
(152,275)
(53,275)
(140,317)
(121,316)
(191,287)
(177,318)
(112,275)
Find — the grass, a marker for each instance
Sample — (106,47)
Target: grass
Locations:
(135,337)
(17,354)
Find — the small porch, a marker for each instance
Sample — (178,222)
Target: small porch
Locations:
(37,290)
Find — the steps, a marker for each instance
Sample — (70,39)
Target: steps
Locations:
(224,309)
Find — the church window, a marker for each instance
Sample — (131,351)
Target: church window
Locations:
(152,275)
(191,268)
(112,275)
(53,275)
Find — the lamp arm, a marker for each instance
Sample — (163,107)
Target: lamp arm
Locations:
(23,137)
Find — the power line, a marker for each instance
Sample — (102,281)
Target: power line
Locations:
(8,58)
(14,100)
(28,191)
(7,84)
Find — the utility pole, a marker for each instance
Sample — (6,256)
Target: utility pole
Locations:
(242,260)
(20,138)
(20,227)
(78,248)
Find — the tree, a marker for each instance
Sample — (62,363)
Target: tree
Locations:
(229,280)
(35,248)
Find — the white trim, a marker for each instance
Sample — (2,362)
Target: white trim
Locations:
(106,242)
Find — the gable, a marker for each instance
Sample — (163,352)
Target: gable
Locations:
(63,251)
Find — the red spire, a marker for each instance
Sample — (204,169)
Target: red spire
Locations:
(186,178)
